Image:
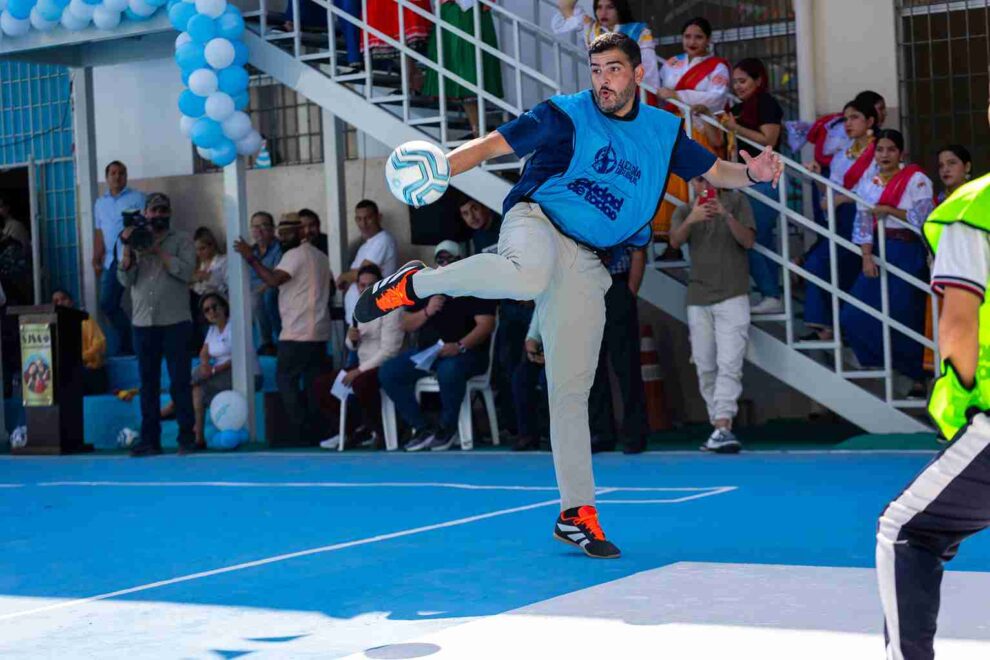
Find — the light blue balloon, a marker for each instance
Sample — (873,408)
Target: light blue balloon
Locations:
(180,14)
(153,3)
(172,3)
(20,9)
(129,13)
(241,101)
(191,105)
(201,28)
(92,2)
(227,440)
(224,154)
(190,56)
(185,75)
(206,133)
(241,54)
(233,80)
(230,25)
(49,10)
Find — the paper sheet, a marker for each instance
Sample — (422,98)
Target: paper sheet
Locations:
(340,390)
(425,358)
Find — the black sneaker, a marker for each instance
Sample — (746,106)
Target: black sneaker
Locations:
(421,439)
(389,294)
(443,440)
(579,526)
(141,451)
(722,441)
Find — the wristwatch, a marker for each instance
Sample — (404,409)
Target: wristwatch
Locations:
(462,347)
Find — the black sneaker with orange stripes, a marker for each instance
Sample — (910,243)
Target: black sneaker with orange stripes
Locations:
(388,294)
(579,526)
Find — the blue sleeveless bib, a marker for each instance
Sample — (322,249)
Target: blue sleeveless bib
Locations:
(617,174)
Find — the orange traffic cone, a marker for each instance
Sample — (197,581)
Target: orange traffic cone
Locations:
(655,399)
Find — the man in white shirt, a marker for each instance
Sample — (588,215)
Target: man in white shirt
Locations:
(378,248)
(303,295)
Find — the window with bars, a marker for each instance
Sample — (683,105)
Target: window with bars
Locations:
(291,125)
(944,54)
(761,28)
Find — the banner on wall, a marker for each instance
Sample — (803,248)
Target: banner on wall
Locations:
(37,368)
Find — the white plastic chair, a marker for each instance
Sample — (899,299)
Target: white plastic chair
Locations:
(465,425)
(388,413)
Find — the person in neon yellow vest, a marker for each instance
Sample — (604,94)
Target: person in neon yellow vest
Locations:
(950,500)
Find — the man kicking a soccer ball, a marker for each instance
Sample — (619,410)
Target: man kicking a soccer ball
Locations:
(597,175)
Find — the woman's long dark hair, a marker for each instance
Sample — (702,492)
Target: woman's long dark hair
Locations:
(749,115)
(621,8)
(893,135)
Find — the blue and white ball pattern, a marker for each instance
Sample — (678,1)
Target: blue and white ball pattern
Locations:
(417,173)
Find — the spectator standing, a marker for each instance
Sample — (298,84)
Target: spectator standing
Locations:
(264,299)
(758,117)
(378,247)
(459,57)
(610,16)
(11,227)
(211,265)
(847,168)
(464,325)
(720,229)
(620,347)
(94,348)
(16,263)
(375,342)
(905,194)
(158,281)
(301,277)
(310,217)
(529,375)
(108,221)
(384,16)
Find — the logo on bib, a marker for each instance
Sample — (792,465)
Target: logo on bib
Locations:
(605,160)
(598,196)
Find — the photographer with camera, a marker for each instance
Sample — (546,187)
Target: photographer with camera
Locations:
(156,266)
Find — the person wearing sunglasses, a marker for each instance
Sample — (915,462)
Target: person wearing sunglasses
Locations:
(464,326)
(213,373)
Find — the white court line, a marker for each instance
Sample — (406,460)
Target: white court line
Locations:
(12,485)
(676,500)
(279,558)
(347,484)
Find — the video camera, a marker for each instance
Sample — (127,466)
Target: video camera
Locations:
(141,237)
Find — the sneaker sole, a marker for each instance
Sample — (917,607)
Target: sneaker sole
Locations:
(578,546)
(728,449)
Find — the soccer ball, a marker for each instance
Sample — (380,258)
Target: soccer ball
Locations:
(417,173)
(228,410)
(19,437)
(127,438)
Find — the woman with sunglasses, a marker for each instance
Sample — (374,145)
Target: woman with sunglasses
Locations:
(213,374)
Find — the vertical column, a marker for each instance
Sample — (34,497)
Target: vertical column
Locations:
(84,130)
(236,226)
(333,169)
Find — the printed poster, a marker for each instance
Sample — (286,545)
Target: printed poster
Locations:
(38,372)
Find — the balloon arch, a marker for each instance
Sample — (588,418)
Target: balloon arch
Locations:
(209,50)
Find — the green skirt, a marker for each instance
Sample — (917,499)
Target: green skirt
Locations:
(459,55)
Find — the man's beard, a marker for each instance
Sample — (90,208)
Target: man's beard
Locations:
(617,100)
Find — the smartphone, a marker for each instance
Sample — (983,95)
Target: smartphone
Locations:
(707,195)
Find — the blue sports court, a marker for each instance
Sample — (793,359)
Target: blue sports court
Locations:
(306,555)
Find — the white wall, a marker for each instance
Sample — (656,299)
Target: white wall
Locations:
(855,49)
(137,119)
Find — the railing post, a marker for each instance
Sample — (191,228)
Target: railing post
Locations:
(833,258)
(785,255)
(480,69)
(885,311)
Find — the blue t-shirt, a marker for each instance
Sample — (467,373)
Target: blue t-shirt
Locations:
(548,134)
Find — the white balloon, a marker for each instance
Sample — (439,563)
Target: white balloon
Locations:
(105,18)
(206,154)
(72,22)
(115,5)
(141,7)
(203,82)
(212,8)
(249,146)
(186,124)
(219,53)
(182,40)
(14,27)
(237,126)
(219,106)
(83,10)
(40,23)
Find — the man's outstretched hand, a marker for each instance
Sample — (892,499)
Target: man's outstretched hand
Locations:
(765,167)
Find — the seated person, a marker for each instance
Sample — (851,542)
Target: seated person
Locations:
(464,326)
(213,374)
(528,375)
(374,342)
(94,349)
